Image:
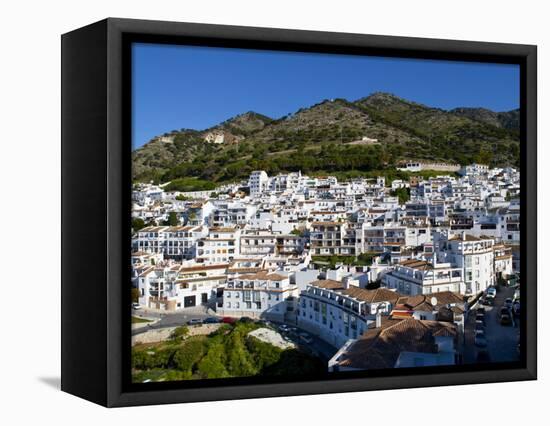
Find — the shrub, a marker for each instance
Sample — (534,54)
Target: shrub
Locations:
(188,355)
(135,294)
(239,360)
(148,359)
(180,332)
(212,366)
(263,353)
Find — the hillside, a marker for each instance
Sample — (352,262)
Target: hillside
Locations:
(369,134)
(507,120)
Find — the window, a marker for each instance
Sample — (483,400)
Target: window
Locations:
(248,305)
(228,305)
(228,295)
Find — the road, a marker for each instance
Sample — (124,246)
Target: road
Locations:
(316,347)
(171,319)
(502,340)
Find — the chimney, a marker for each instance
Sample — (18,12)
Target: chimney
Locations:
(378,319)
(463,235)
(345,282)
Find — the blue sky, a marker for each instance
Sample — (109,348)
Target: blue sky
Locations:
(178,87)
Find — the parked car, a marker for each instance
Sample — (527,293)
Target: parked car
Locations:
(306,337)
(487,301)
(480,310)
(194,321)
(491,292)
(508,303)
(229,320)
(211,320)
(480,319)
(246,320)
(136,306)
(480,331)
(483,356)
(284,328)
(480,341)
(505,319)
(516,308)
(479,327)
(504,311)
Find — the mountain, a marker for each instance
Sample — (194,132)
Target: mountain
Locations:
(507,120)
(170,149)
(333,136)
(246,124)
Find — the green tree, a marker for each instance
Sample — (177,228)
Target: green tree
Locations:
(172,219)
(403,194)
(137,224)
(135,294)
(180,332)
(187,357)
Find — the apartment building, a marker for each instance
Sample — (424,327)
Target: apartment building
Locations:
(473,255)
(258,183)
(414,276)
(265,294)
(173,287)
(181,241)
(150,239)
(332,238)
(221,245)
(336,311)
(257,242)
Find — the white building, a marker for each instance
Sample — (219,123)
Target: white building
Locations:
(474,256)
(258,182)
(264,294)
(414,276)
(181,241)
(221,245)
(171,288)
(336,311)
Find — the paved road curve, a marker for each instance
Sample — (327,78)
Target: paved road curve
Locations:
(502,341)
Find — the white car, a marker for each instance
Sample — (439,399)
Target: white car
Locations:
(136,306)
(491,292)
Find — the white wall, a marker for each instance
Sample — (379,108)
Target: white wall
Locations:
(30,106)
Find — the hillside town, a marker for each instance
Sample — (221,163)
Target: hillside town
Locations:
(380,279)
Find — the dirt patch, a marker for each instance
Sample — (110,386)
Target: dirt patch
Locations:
(272,337)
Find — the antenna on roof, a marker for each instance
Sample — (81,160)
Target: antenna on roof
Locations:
(433,301)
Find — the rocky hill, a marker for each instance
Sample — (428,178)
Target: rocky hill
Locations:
(507,120)
(372,133)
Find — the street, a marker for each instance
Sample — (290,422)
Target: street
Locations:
(171,319)
(502,340)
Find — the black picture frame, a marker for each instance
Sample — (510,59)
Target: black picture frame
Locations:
(96,183)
